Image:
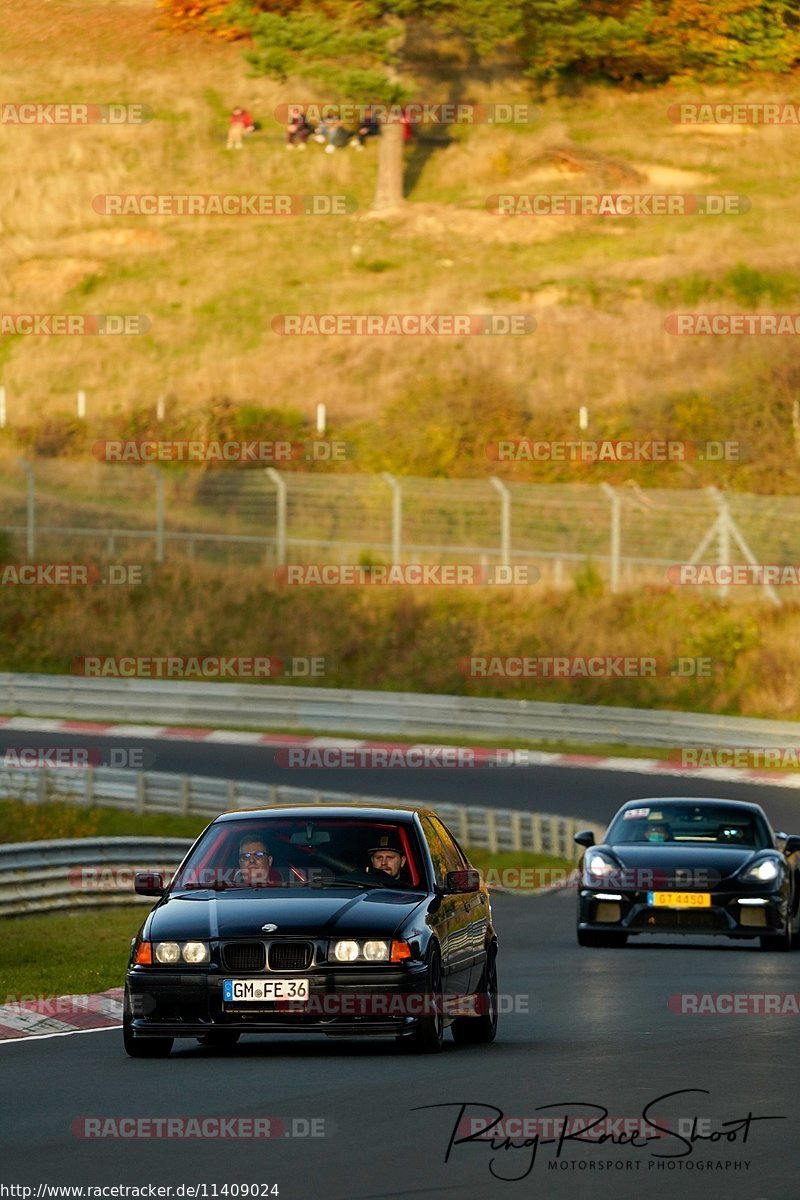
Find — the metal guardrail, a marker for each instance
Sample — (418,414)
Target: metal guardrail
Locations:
(383,714)
(47,875)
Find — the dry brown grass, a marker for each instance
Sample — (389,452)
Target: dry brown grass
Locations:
(212,286)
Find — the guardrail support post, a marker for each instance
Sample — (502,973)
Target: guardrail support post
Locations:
(30,509)
(141,795)
(186,795)
(280,516)
(616,510)
(397,514)
(159,530)
(89,792)
(505,520)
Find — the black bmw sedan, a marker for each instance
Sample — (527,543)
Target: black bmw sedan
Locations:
(341,920)
(689,866)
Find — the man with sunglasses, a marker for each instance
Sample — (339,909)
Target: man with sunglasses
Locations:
(255,861)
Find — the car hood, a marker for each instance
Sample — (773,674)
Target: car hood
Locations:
(673,864)
(206,915)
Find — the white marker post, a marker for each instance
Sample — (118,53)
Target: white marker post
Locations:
(3,413)
(321,418)
(160,408)
(583,417)
(81,406)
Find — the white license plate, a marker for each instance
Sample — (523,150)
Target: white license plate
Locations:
(243,990)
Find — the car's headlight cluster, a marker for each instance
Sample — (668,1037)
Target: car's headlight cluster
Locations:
(371,951)
(175,952)
(599,865)
(764,871)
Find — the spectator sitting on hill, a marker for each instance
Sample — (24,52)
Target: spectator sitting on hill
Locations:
(240,123)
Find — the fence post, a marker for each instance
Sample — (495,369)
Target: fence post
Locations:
(280,532)
(505,521)
(4,414)
(30,509)
(141,794)
(89,780)
(615,534)
(186,795)
(159,531)
(397,514)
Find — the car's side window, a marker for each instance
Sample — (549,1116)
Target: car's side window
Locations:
(444,851)
(455,859)
(438,855)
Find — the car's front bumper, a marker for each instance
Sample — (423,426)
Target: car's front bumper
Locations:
(380,1000)
(763,913)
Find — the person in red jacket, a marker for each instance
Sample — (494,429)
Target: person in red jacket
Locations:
(240,123)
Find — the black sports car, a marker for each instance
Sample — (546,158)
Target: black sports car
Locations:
(687,866)
(341,920)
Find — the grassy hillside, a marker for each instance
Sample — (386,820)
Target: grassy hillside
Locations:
(393,639)
(599,288)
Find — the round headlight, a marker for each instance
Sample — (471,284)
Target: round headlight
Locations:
(346,951)
(167,952)
(196,952)
(376,951)
(597,864)
(764,871)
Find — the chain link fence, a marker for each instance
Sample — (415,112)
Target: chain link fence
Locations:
(57,511)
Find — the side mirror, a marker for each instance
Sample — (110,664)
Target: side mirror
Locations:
(463,881)
(148,883)
(791,845)
(584,838)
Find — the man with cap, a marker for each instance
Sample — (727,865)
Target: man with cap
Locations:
(387,856)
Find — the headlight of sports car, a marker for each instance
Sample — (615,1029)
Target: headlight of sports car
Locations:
(599,865)
(170,953)
(372,951)
(764,871)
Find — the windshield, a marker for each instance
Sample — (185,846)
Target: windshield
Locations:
(304,852)
(690,824)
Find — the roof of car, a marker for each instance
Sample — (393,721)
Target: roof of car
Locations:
(691,801)
(372,811)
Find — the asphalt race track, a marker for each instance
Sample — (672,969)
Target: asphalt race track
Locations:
(589,1028)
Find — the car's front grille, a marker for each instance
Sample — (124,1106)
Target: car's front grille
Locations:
(245,956)
(290,956)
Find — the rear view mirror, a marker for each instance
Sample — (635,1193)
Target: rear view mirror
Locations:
(792,844)
(584,838)
(148,883)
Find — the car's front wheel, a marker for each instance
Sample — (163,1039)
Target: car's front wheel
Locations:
(777,941)
(150,1047)
(155,1047)
(474,1030)
(428,1036)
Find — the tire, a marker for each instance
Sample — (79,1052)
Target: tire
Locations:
(483,1029)
(141,1047)
(592,937)
(155,1047)
(428,1037)
(221,1039)
(778,942)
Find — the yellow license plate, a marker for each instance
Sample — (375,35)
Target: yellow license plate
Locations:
(680,899)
